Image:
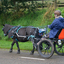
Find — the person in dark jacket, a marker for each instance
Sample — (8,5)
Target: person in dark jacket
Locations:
(56,25)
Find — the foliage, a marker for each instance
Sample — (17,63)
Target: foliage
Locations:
(48,14)
(62,12)
(7,4)
(8,10)
(38,19)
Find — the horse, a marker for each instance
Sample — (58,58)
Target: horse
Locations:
(21,34)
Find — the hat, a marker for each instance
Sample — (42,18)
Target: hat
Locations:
(57,12)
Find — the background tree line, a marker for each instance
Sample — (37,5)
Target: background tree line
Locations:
(31,5)
(5,4)
(14,9)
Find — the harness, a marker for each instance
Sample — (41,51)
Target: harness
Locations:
(15,30)
(10,30)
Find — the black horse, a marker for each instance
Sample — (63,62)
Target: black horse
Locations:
(20,33)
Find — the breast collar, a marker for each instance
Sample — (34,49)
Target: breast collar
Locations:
(16,29)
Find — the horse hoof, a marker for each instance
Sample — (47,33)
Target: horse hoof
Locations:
(10,51)
(18,52)
(31,53)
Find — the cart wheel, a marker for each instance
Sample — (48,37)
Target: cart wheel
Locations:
(46,48)
(59,49)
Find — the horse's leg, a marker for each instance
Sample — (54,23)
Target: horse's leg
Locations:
(18,47)
(32,52)
(12,46)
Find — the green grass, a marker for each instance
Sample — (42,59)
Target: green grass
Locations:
(32,19)
(23,45)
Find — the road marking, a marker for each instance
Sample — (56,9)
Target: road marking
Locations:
(32,58)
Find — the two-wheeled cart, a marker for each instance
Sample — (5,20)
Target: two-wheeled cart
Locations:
(46,47)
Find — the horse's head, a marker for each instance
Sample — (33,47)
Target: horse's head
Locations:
(5,29)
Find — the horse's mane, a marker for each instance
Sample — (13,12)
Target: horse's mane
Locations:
(8,25)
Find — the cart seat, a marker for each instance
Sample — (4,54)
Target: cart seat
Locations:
(60,34)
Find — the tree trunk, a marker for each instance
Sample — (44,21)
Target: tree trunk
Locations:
(55,2)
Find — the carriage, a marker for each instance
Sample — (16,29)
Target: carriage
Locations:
(45,47)
(58,45)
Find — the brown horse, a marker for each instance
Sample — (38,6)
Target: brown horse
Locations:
(20,33)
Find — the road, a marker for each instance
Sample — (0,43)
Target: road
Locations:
(25,58)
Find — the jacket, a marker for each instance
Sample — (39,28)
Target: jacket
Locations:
(57,24)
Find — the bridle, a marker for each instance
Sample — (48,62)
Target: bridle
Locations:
(8,30)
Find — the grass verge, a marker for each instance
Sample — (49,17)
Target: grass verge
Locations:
(23,45)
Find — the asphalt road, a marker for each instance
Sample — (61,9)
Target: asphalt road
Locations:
(25,58)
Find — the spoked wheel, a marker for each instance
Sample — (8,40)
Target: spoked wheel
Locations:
(59,49)
(46,48)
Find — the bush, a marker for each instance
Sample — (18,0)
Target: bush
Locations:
(16,15)
(62,12)
(0,38)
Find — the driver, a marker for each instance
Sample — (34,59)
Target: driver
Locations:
(56,25)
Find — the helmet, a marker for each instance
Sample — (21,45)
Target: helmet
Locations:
(57,12)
